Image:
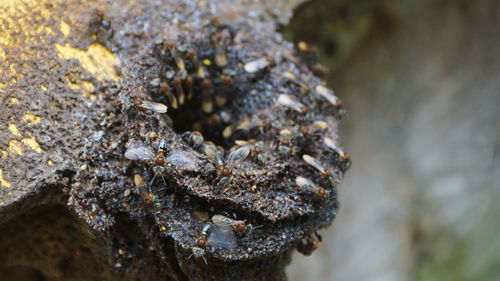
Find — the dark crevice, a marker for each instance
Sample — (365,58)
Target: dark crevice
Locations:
(21,273)
(189,118)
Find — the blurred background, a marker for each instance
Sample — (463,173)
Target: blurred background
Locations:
(421,84)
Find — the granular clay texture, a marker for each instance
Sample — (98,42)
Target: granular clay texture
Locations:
(177,141)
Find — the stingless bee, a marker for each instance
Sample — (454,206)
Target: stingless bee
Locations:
(256,65)
(330,143)
(229,224)
(194,138)
(141,152)
(306,183)
(256,149)
(159,161)
(323,171)
(165,90)
(226,223)
(213,153)
(290,102)
(150,105)
(138,151)
(234,158)
(328,95)
(310,243)
(316,164)
(201,241)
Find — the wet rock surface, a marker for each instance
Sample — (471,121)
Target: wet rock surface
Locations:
(248,135)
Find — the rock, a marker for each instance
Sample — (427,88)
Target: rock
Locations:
(73,95)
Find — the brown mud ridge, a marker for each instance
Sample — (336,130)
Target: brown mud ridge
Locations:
(213,156)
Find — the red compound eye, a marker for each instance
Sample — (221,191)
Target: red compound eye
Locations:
(202,243)
(160,160)
(321,191)
(304,130)
(226,172)
(241,227)
(148,202)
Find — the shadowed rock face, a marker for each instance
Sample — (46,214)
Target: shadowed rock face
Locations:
(91,161)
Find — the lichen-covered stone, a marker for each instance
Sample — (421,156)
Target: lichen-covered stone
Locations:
(97,80)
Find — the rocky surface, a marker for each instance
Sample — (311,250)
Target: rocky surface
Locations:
(127,126)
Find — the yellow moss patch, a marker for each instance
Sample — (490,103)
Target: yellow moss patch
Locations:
(13,100)
(65,28)
(83,86)
(31,143)
(5,154)
(29,118)
(97,60)
(13,129)
(16,147)
(4,182)
(87,86)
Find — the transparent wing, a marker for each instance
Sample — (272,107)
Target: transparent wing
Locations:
(139,153)
(237,156)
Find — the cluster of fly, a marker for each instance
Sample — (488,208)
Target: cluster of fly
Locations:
(290,143)
(141,152)
(226,162)
(310,243)
(219,234)
(203,75)
(310,56)
(196,79)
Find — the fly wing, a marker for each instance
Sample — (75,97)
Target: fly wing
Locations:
(223,222)
(290,102)
(154,106)
(139,153)
(221,238)
(313,162)
(327,94)
(213,154)
(237,156)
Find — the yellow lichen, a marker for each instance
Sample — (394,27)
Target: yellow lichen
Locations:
(16,147)
(29,118)
(13,129)
(83,86)
(97,60)
(33,144)
(4,182)
(207,62)
(5,154)
(50,162)
(65,28)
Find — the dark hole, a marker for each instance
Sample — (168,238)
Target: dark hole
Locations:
(200,100)
(188,115)
(21,273)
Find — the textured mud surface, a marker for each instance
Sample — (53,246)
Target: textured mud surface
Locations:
(250,134)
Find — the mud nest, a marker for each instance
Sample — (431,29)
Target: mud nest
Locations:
(214,157)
